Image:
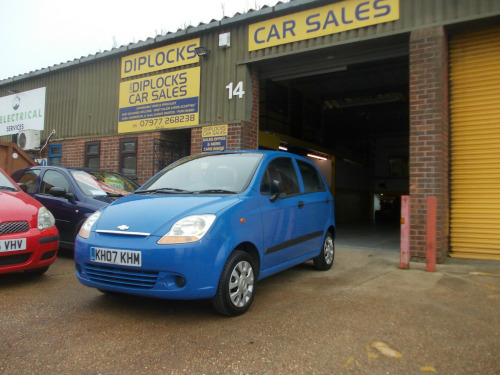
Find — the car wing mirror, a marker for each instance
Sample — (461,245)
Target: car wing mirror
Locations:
(275,190)
(23,187)
(61,193)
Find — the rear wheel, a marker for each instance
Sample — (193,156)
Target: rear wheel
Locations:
(237,284)
(325,259)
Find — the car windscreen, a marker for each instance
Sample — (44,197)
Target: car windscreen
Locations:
(6,184)
(206,174)
(101,183)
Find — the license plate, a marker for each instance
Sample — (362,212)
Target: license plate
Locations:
(13,245)
(120,257)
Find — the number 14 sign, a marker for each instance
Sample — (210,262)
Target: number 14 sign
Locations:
(237,91)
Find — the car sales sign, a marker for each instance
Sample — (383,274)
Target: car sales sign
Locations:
(22,111)
(318,22)
(161,101)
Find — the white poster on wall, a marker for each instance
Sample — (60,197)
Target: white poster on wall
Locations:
(22,111)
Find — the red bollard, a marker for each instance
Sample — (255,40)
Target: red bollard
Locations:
(404,261)
(430,253)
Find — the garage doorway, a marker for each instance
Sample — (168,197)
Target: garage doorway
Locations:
(350,104)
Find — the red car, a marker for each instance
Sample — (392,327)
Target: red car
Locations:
(28,236)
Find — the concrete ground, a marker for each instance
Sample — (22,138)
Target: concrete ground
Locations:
(364,316)
(369,235)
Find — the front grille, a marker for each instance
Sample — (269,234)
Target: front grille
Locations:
(11,260)
(14,227)
(128,278)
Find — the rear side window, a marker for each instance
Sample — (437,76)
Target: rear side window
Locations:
(282,172)
(310,177)
(28,178)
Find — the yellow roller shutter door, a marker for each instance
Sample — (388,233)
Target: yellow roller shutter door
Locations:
(475,145)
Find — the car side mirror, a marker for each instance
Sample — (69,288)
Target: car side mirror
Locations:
(23,187)
(275,190)
(61,192)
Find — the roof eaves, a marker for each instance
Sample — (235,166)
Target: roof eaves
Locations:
(226,21)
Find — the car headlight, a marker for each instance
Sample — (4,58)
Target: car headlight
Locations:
(87,225)
(189,229)
(45,219)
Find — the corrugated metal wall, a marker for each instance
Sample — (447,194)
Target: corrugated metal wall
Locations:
(82,95)
(475,134)
(414,14)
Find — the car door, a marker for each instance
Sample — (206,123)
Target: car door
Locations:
(282,212)
(318,205)
(64,208)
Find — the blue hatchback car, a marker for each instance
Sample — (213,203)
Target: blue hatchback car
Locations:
(210,226)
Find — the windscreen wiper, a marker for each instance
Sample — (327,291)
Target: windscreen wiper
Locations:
(114,194)
(165,190)
(214,191)
(10,188)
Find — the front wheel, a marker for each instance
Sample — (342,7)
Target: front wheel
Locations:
(237,284)
(325,259)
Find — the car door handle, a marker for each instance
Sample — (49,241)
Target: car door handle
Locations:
(301,204)
(327,200)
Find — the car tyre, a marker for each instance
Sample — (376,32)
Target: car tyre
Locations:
(325,259)
(237,283)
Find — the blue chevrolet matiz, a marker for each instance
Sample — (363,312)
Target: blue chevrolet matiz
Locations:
(209,226)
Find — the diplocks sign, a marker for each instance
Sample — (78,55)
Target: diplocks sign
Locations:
(329,19)
(163,100)
(162,58)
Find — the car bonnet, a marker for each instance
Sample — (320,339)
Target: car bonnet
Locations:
(17,206)
(156,214)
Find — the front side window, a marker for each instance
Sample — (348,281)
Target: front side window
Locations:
(280,173)
(54,179)
(128,157)
(92,154)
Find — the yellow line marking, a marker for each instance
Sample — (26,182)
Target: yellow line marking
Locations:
(484,274)
(349,361)
(370,354)
(427,369)
(385,350)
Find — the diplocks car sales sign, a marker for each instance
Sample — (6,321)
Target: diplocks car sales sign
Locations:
(22,111)
(161,101)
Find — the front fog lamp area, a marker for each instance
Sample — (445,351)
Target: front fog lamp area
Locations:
(87,225)
(189,229)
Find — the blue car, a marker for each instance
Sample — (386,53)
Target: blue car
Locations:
(72,194)
(210,226)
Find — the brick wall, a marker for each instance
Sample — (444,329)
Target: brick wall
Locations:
(429,137)
(73,152)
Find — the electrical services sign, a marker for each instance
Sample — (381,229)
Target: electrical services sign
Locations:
(326,20)
(22,111)
(213,138)
(161,101)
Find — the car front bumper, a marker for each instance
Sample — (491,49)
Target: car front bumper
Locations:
(184,271)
